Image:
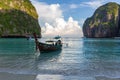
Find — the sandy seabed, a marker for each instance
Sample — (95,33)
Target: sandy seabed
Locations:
(10,76)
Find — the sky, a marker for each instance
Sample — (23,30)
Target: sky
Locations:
(65,17)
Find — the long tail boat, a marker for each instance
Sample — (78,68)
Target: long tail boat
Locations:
(48,46)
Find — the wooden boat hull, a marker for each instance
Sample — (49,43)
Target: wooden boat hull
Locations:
(48,47)
(43,47)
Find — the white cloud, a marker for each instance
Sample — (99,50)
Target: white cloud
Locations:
(63,28)
(53,23)
(47,13)
(93,4)
(73,6)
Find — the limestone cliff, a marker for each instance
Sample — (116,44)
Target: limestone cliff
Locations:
(18,18)
(105,22)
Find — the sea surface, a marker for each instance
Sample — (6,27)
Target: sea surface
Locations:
(79,59)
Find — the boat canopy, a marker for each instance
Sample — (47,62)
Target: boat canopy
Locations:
(57,37)
(50,42)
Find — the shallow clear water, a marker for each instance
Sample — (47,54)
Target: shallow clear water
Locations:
(82,59)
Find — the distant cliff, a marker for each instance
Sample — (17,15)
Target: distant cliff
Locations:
(105,22)
(18,18)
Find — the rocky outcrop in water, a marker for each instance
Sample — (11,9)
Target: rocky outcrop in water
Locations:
(105,22)
(18,18)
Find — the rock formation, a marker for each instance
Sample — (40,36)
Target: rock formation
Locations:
(18,18)
(105,22)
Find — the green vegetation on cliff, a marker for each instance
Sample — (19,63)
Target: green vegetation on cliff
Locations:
(111,10)
(104,22)
(18,17)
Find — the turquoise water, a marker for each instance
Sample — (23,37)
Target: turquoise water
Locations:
(82,59)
